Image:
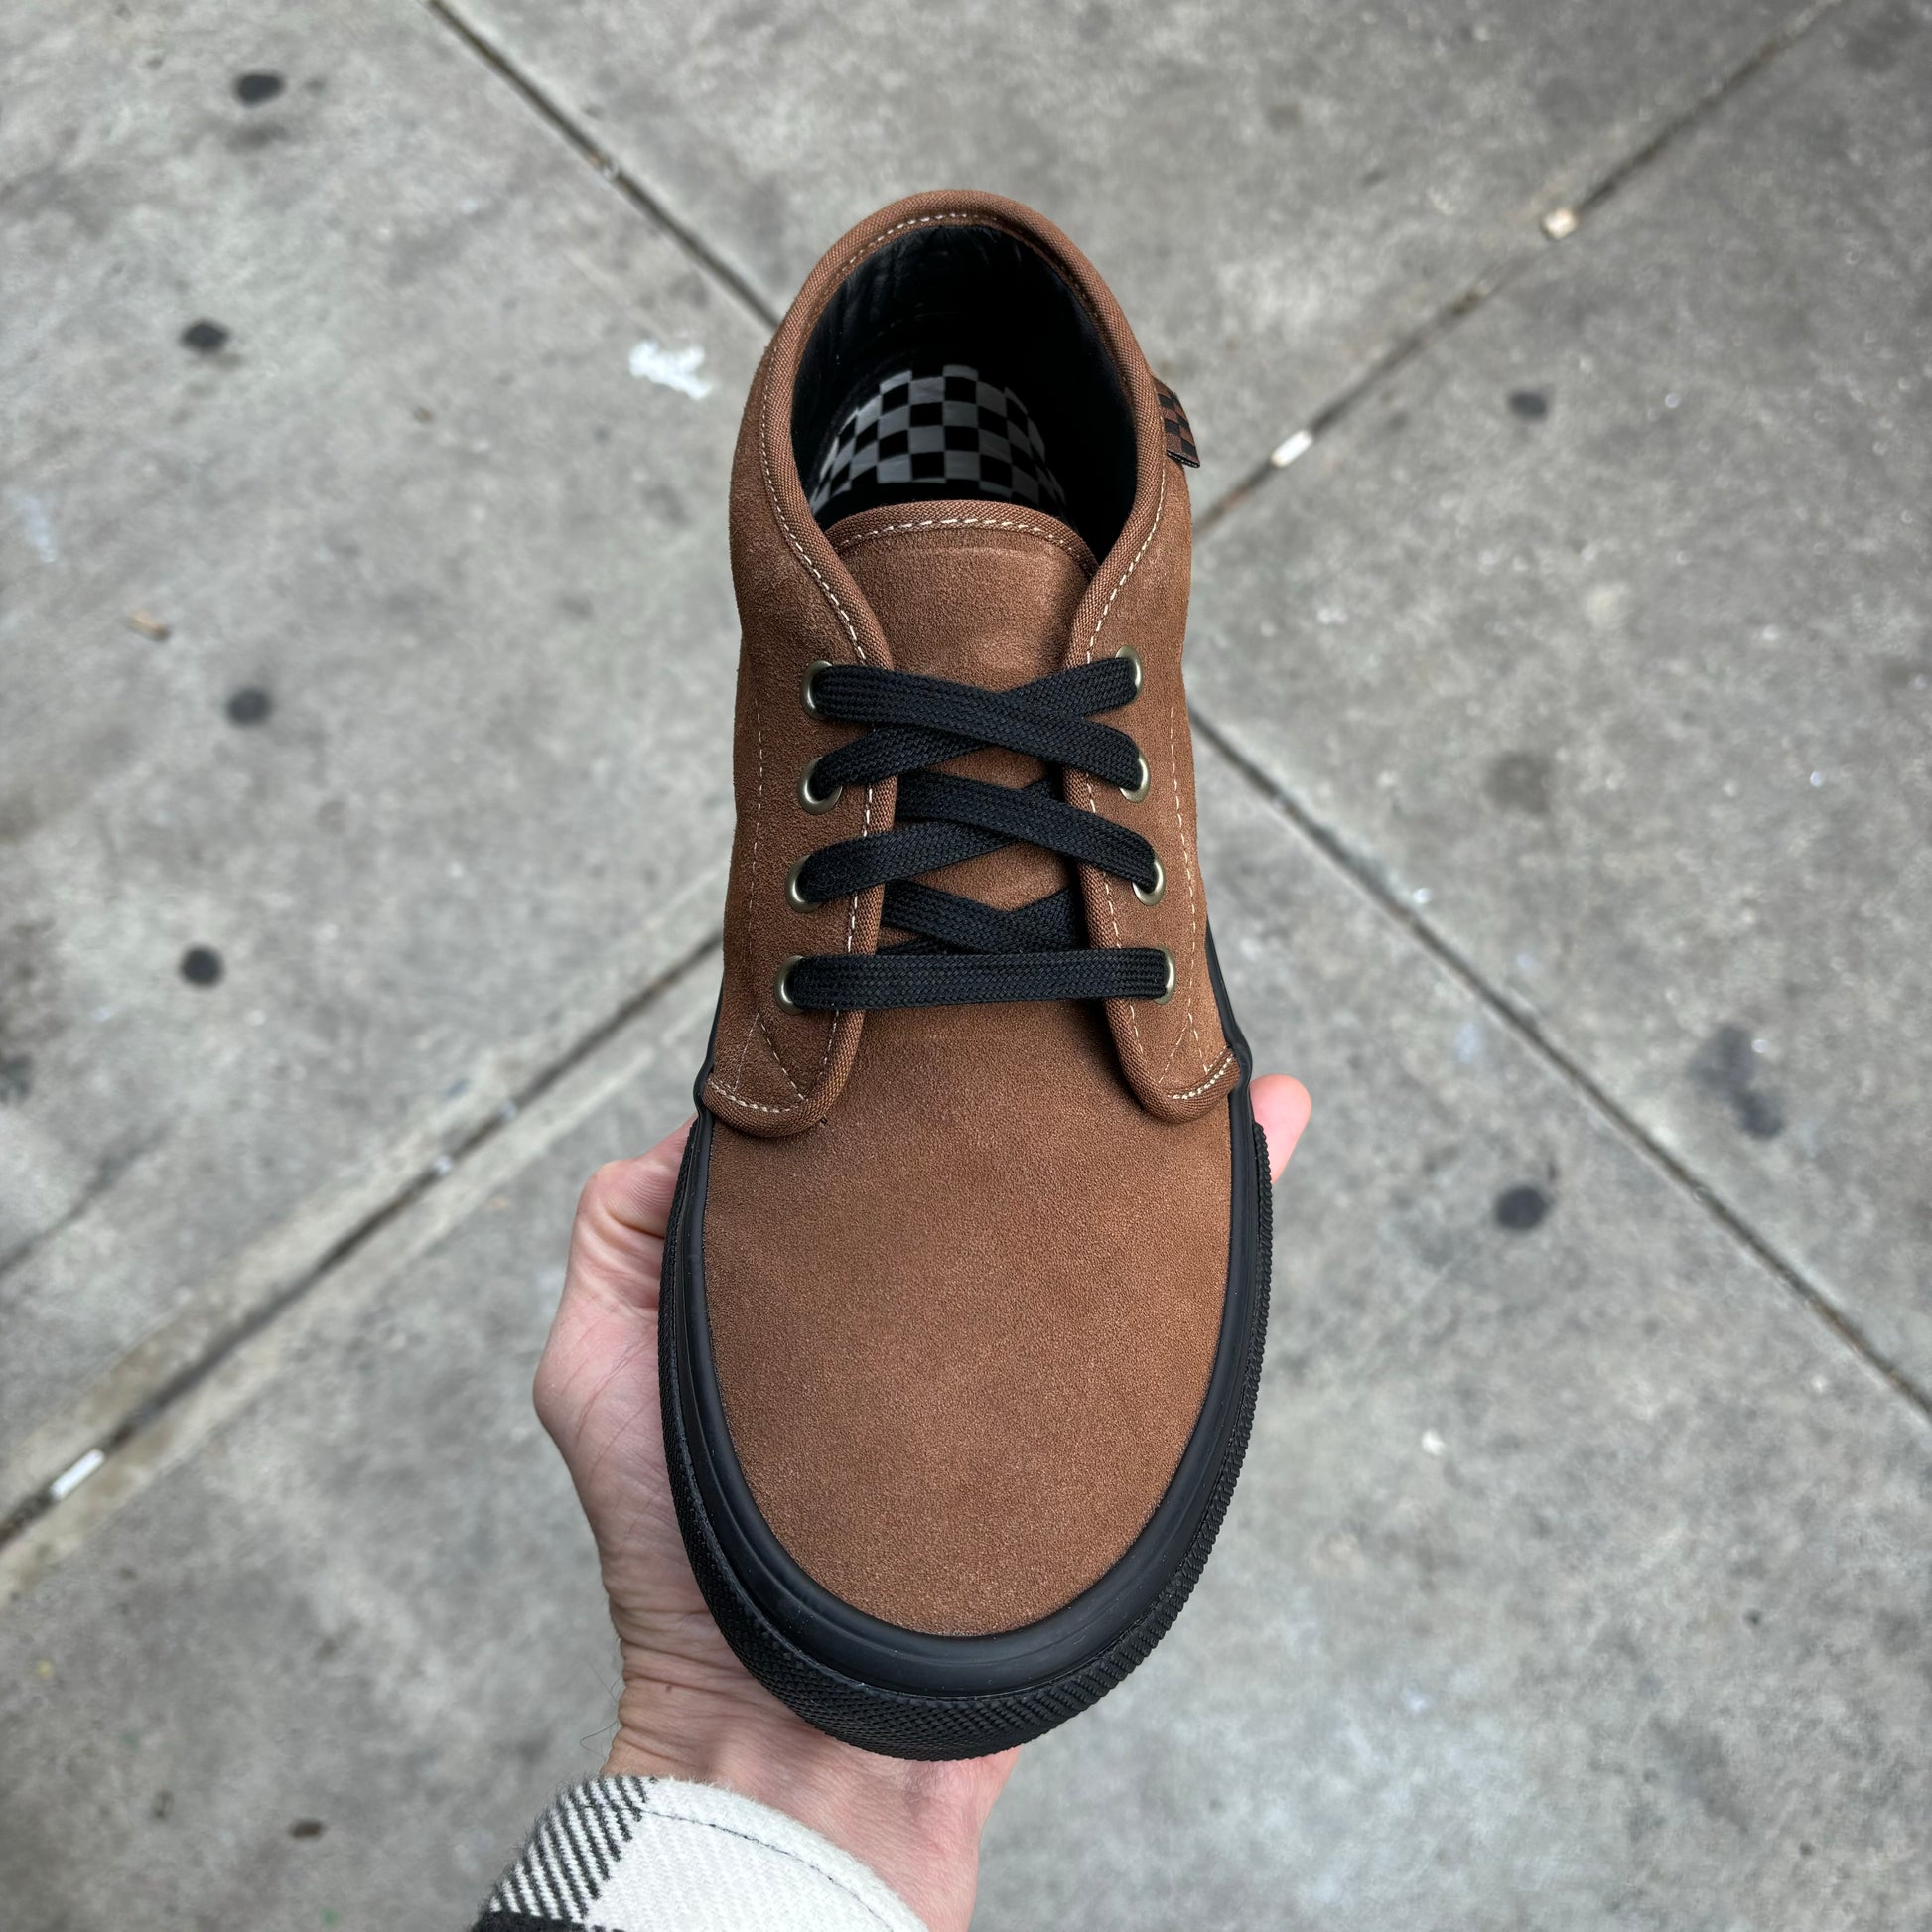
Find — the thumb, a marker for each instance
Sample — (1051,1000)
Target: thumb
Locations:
(609,1307)
(1282,1110)
(617,1241)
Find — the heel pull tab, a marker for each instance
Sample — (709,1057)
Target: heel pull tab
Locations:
(1179,431)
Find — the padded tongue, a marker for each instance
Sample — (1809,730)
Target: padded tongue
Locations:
(983,592)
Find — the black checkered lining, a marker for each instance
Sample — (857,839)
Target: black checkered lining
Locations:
(943,426)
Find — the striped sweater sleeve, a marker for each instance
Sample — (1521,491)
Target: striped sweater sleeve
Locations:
(656,1855)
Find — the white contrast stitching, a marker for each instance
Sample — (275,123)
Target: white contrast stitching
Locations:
(916,221)
(777,511)
(738,1078)
(759,1020)
(1073,549)
(1106,886)
(757,1106)
(1219,1065)
(1133,1017)
(852,918)
(852,633)
(1160,510)
(1187,1024)
(752,879)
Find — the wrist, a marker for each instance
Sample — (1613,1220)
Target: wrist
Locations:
(917,1826)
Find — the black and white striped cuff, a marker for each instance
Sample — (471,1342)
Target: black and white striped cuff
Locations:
(649,1854)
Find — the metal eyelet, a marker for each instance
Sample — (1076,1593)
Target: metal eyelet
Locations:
(797,899)
(1165,994)
(1133,659)
(784,999)
(805,685)
(1140,790)
(1155,894)
(810,799)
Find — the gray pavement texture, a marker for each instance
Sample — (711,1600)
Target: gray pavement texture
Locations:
(1564,718)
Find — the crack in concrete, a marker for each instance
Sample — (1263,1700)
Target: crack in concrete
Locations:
(1522,1023)
(1361,869)
(1425,333)
(1707,103)
(138,1416)
(108,1175)
(607,165)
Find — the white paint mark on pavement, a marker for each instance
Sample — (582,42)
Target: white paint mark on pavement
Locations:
(1299,444)
(672,368)
(75,1474)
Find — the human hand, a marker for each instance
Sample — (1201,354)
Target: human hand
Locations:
(688,1707)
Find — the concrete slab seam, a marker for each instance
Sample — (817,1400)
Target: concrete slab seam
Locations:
(32,1508)
(601,159)
(1523,1026)
(1434,327)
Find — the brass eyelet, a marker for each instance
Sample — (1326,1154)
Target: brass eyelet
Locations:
(1165,994)
(810,799)
(1140,790)
(805,685)
(1133,659)
(779,992)
(1155,894)
(797,899)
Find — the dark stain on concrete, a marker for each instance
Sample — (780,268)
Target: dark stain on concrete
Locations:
(89,194)
(1899,1635)
(1564,102)
(29,1010)
(1644,1820)
(257,136)
(1726,1068)
(19,815)
(1901,675)
(250,705)
(1874,45)
(1519,781)
(1521,1209)
(1532,405)
(1694,1760)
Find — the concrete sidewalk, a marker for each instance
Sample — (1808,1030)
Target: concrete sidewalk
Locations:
(1564,693)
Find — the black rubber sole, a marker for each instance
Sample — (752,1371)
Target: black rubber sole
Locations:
(906,1692)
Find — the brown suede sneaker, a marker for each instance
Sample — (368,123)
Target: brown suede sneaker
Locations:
(967,1274)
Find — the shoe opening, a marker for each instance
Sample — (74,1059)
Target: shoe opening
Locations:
(956,363)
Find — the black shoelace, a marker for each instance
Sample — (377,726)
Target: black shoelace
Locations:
(964,953)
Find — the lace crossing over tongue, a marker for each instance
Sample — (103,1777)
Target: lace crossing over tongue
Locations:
(983,592)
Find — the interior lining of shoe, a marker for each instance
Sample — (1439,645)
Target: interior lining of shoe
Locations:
(955,363)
